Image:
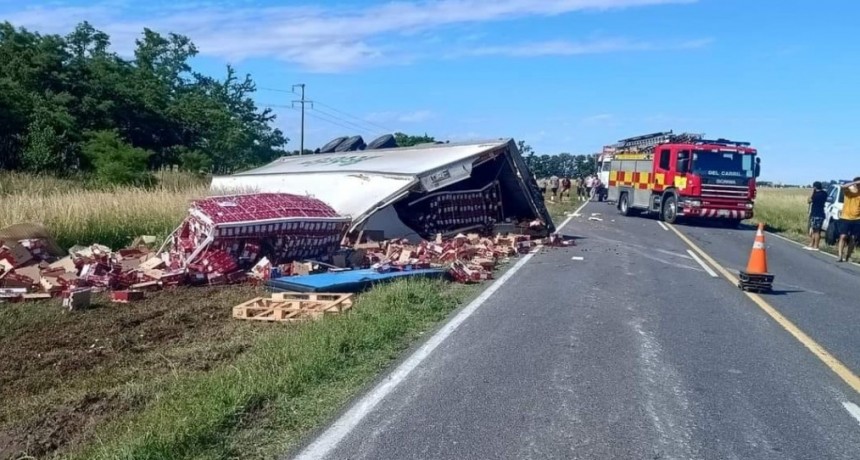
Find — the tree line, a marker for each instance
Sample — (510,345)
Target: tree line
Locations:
(561,165)
(69,104)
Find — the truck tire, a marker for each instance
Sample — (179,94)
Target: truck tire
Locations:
(624,204)
(831,236)
(669,213)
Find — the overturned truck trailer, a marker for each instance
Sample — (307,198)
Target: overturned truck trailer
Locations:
(412,192)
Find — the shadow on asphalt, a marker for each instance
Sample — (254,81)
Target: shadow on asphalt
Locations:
(779,292)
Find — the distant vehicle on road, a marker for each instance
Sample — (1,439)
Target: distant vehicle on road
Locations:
(832,213)
(604,164)
(684,175)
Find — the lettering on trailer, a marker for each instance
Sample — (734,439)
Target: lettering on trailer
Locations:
(446,176)
(339,161)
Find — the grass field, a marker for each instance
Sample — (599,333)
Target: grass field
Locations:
(75,213)
(174,376)
(784,210)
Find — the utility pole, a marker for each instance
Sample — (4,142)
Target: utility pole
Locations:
(303,101)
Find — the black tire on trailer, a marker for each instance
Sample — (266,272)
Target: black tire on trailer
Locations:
(669,212)
(352,144)
(332,144)
(383,142)
(624,204)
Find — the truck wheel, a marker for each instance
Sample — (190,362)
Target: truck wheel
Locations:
(830,236)
(670,210)
(624,204)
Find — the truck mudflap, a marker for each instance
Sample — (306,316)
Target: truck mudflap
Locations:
(716,213)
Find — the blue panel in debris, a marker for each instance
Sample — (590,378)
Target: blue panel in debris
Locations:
(347,281)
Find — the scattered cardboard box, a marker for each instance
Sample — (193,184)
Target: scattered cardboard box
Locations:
(31,271)
(126,296)
(16,253)
(77,299)
(66,263)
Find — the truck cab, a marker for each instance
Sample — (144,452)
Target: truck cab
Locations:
(832,212)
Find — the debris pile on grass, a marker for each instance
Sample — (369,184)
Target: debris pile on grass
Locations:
(228,239)
(220,239)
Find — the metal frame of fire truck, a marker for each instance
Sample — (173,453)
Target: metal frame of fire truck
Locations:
(638,182)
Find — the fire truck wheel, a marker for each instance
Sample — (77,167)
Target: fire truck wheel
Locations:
(670,209)
(624,204)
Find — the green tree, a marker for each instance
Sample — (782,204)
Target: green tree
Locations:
(54,90)
(115,161)
(406,140)
(584,165)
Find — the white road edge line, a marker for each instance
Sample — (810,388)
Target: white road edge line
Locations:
(853,410)
(341,427)
(662,225)
(703,264)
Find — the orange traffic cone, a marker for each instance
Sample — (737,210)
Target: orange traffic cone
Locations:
(756,278)
(757,264)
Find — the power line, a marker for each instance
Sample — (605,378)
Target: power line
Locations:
(331,115)
(333,122)
(334,109)
(340,121)
(383,128)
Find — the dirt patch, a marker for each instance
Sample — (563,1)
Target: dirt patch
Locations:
(64,373)
(44,435)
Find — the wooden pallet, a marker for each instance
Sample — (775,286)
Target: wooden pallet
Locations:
(293,306)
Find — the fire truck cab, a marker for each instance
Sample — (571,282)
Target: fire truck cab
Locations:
(684,175)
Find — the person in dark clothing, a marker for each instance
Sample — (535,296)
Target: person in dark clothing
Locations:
(816,215)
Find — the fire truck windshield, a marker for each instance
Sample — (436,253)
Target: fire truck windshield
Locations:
(723,164)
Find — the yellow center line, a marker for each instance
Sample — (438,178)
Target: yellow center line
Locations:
(819,351)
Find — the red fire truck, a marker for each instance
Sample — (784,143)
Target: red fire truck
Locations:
(684,175)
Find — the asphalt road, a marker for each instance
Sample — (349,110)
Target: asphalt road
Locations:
(634,352)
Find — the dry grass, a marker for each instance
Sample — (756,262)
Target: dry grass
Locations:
(784,210)
(77,214)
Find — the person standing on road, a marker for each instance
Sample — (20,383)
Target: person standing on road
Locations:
(553,185)
(542,186)
(849,223)
(579,184)
(589,182)
(816,215)
(565,187)
(597,189)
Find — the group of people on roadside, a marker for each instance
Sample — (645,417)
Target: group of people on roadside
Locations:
(558,187)
(848,225)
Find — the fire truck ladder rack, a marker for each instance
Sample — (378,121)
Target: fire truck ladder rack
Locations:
(647,142)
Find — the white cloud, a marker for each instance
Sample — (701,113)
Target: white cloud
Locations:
(571,48)
(323,39)
(417,116)
(600,117)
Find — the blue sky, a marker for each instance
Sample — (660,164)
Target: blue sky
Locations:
(563,75)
